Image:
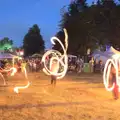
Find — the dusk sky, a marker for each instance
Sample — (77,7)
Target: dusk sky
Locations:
(17,16)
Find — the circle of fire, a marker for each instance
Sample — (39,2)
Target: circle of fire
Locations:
(62,59)
(115,61)
(13,71)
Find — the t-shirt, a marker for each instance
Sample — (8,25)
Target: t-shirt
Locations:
(55,67)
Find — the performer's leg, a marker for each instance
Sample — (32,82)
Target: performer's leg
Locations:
(116,92)
(52,78)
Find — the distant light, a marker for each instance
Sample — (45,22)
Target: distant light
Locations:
(20,52)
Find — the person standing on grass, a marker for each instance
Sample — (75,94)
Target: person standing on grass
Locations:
(113,81)
(54,68)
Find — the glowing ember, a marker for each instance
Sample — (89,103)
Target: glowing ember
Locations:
(16,89)
(61,59)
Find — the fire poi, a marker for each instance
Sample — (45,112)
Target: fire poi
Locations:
(54,55)
(111,74)
(62,60)
(12,70)
(16,89)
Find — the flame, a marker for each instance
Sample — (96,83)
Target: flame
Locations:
(62,59)
(14,70)
(16,89)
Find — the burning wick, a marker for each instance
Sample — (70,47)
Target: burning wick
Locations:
(62,59)
(12,70)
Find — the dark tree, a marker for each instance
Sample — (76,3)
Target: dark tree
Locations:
(33,41)
(92,26)
(60,35)
(6,40)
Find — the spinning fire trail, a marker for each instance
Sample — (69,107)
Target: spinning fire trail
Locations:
(16,89)
(12,70)
(62,60)
(115,62)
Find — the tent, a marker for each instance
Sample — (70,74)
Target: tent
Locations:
(72,56)
(97,53)
(104,56)
(9,56)
(111,51)
(6,56)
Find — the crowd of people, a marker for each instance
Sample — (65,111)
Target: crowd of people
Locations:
(77,65)
(35,65)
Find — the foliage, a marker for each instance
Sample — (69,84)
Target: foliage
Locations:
(33,41)
(91,27)
(60,36)
(6,40)
(6,44)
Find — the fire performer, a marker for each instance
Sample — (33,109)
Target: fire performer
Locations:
(113,81)
(54,70)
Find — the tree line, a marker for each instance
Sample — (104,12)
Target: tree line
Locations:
(32,42)
(90,26)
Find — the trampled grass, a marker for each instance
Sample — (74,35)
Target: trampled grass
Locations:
(75,97)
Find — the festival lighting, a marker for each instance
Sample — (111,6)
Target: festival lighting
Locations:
(61,59)
(115,61)
(3,78)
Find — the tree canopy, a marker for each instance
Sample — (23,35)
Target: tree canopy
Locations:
(6,44)
(90,26)
(33,41)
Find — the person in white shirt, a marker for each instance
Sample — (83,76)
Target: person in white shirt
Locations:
(54,68)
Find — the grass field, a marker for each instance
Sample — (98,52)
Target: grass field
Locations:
(75,97)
